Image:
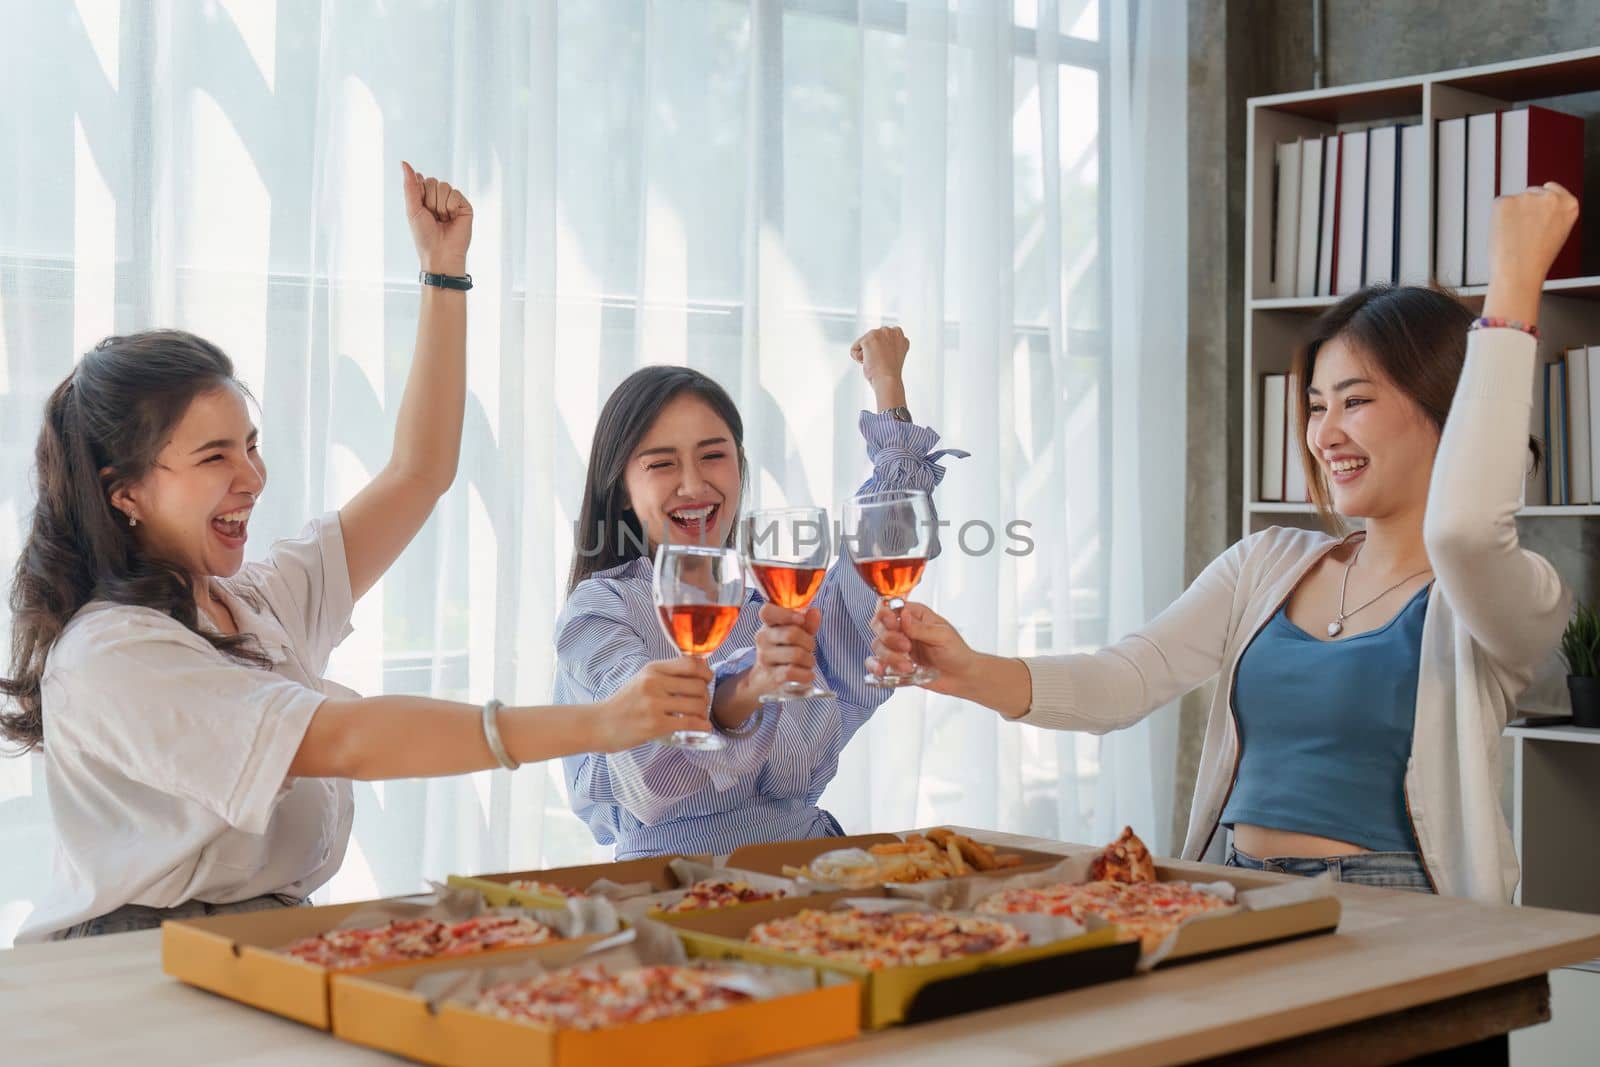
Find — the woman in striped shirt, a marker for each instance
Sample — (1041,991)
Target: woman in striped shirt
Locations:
(668,460)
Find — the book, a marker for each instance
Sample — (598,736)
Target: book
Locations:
(1412,208)
(1536,476)
(1578,444)
(1294,468)
(1308,244)
(1483,179)
(1328,233)
(1274,399)
(1593,355)
(1350,250)
(1538,145)
(1450,236)
(1555,432)
(1383,194)
(1286,215)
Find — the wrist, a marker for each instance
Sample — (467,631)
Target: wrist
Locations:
(731,707)
(587,727)
(889,393)
(455,266)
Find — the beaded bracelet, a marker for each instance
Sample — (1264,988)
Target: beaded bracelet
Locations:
(1487,323)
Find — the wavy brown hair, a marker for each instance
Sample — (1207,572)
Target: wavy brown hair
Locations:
(103,428)
(1415,337)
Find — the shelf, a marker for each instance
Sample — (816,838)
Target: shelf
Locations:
(1587,287)
(1273,507)
(1564,74)
(1397,98)
(1582,735)
(1294,303)
(1538,78)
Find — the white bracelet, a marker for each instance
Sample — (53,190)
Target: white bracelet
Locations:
(491,734)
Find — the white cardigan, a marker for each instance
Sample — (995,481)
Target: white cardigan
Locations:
(1495,612)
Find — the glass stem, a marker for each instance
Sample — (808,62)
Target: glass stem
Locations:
(896,604)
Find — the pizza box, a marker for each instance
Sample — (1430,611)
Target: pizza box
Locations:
(236,955)
(1272,908)
(1279,911)
(930,991)
(656,871)
(774,857)
(384,1010)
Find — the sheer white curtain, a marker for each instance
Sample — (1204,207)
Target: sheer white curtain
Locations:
(739,185)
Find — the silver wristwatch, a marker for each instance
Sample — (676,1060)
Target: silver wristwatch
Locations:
(901,412)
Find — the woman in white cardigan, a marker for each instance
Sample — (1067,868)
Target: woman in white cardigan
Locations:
(1364,681)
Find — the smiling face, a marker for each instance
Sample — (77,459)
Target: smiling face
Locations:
(1374,443)
(193,506)
(683,478)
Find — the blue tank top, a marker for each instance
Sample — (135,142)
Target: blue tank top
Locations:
(1325,731)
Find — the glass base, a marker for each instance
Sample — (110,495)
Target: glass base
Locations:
(700,740)
(920,676)
(796,691)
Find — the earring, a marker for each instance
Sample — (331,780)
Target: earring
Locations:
(133,520)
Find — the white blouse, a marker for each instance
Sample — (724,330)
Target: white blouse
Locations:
(166,762)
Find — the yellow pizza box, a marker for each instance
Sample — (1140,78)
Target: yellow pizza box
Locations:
(381,1010)
(236,956)
(656,870)
(930,991)
(774,857)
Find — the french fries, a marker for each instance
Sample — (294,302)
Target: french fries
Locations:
(942,853)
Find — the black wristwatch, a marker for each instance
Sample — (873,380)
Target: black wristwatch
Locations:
(446,281)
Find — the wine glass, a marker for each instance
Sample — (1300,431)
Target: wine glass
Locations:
(787,550)
(889,536)
(699,594)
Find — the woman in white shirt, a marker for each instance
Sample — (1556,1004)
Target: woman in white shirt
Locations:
(194,758)
(1426,627)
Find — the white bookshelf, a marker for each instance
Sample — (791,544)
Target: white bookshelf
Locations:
(1556,772)
(1275,326)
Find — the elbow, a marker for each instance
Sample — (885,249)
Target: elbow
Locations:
(429,481)
(333,747)
(1453,535)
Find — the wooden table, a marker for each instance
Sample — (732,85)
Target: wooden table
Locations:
(1405,975)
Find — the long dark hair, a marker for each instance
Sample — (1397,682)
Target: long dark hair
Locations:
(103,428)
(1415,337)
(628,415)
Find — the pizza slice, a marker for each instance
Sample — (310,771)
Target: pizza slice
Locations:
(712,893)
(1124,860)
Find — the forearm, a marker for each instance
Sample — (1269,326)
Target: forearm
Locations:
(387,737)
(427,436)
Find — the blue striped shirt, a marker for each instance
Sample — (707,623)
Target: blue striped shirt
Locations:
(658,798)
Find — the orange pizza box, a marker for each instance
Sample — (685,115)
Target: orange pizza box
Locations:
(788,857)
(621,879)
(1260,909)
(425,1012)
(237,955)
(1062,957)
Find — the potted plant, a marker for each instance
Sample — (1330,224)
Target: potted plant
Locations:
(1580,649)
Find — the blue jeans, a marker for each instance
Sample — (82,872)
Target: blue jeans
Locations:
(1386,870)
(138,917)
